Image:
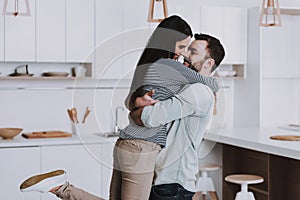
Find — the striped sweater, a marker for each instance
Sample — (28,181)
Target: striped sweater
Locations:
(167,77)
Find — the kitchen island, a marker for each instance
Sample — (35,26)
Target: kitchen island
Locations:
(251,151)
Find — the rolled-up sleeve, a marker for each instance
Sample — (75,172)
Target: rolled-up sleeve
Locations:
(195,99)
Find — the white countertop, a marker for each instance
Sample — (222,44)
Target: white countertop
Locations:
(250,138)
(19,141)
(259,139)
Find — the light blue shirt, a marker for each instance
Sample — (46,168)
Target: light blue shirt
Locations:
(192,110)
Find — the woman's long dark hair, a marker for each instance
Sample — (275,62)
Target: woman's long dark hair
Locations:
(163,40)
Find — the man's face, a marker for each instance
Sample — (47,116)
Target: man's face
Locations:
(198,54)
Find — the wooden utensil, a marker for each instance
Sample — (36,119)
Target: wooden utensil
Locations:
(74,114)
(70,115)
(87,112)
(286,137)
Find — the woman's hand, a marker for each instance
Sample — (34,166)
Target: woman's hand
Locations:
(145,100)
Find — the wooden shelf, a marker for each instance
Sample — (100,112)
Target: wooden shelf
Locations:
(287,11)
(43,78)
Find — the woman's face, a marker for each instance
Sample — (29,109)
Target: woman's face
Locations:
(181,46)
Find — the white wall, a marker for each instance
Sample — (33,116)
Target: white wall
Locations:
(38,110)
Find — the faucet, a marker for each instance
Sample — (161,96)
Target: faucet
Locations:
(118,108)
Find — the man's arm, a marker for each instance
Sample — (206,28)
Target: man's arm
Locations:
(195,99)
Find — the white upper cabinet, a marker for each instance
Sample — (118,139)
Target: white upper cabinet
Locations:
(280,49)
(1,35)
(235,35)
(20,35)
(79,30)
(50,29)
(212,21)
(184,11)
(230,26)
(108,57)
(137,32)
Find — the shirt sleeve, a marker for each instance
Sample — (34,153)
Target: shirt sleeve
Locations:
(174,72)
(195,99)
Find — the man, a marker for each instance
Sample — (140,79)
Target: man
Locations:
(177,164)
(191,110)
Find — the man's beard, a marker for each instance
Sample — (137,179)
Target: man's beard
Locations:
(187,62)
(193,68)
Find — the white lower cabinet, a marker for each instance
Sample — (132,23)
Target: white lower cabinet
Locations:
(79,161)
(106,170)
(88,166)
(16,165)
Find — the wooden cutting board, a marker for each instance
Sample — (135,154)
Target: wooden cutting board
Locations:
(46,134)
(286,137)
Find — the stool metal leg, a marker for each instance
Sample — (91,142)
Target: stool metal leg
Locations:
(244,194)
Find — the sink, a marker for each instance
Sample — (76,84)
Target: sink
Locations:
(108,134)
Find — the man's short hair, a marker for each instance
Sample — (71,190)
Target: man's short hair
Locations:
(214,46)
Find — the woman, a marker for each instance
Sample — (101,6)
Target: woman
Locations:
(136,149)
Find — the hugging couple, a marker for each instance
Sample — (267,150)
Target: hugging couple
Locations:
(171,103)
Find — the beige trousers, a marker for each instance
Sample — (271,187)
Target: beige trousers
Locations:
(69,192)
(134,162)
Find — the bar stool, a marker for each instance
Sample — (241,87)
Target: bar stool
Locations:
(204,183)
(244,180)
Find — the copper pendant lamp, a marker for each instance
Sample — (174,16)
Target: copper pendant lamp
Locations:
(270,13)
(151,10)
(15,8)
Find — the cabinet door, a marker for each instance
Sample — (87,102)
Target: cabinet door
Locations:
(212,21)
(17,164)
(108,39)
(80,30)
(50,29)
(280,58)
(107,163)
(1,35)
(229,25)
(235,35)
(79,161)
(137,32)
(20,35)
(190,13)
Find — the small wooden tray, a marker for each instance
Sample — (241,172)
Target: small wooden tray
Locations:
(46,134)
(286,137)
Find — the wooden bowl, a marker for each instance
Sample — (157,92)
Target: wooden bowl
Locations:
(9,133)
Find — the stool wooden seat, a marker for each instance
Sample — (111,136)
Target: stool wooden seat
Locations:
(204,183)
(209,167)
(244,180)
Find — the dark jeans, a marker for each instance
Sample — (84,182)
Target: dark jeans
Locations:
(170,192)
